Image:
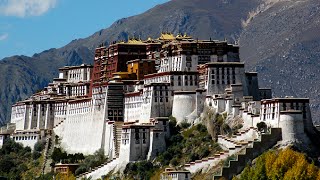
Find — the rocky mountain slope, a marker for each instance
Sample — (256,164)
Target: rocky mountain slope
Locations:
(278,38)
(283,45)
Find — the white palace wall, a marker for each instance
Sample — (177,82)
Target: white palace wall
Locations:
(28,138)
(18,113)
(135,143)
(157,143)
(184,103)
(108,139)
(82,133)
(85,129)
(291,123)
(132,106)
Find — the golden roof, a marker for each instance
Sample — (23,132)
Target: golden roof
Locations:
(167,36)
(135,41)
(179,36)
(186,36)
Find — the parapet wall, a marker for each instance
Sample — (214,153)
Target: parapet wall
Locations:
(184,103)
(291,123)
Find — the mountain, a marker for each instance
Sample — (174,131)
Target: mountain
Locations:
(283,44)
(277,38)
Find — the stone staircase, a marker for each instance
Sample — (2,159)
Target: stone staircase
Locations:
(206,163)
(117,131)
(46,168)
(238,150)
(58,124)
(234,166)
(231,146)
(244,137)
(100,171)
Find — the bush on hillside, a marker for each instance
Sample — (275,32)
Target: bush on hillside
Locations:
(184,125)
(39,146)
(58,155)
(140,170)
(91,161)
(15,160)
(191,144)
(284,164)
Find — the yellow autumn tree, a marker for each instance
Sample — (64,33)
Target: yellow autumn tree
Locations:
(282,164)
(270,158)
(298,170)
(67,176)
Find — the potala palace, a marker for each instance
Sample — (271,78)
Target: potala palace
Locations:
(122,103)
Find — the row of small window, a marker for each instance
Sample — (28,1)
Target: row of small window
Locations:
(137,141)
(161,87)
(204,59)
(222,80)
(161,93)
(273,110)
(176,175)
(137,130)
(133,99)
(137,135)
(135,105)
(125,135)
(75,75)
(60,113)
(18,111)
(204,52)
(75,111)
(160,99)
(268,116)
(18,138)
(82,105)
(292,106)
(187,81)
(223,70)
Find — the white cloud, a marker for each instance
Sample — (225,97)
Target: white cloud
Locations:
(4,36)
(22,8)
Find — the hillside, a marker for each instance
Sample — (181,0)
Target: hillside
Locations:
(272,24)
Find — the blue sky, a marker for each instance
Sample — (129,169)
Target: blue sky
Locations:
(31,26)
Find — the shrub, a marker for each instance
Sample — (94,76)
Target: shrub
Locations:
(16,160)
(193,157)
(201,128)
(185,125)
(261,126)
(10,146)
(57,155)
(140,170)
(176,139)
(88,162)
(174,129)
(6,164)
(174,162)
(81,169)
(36,155)
(39,146)
(204,152)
